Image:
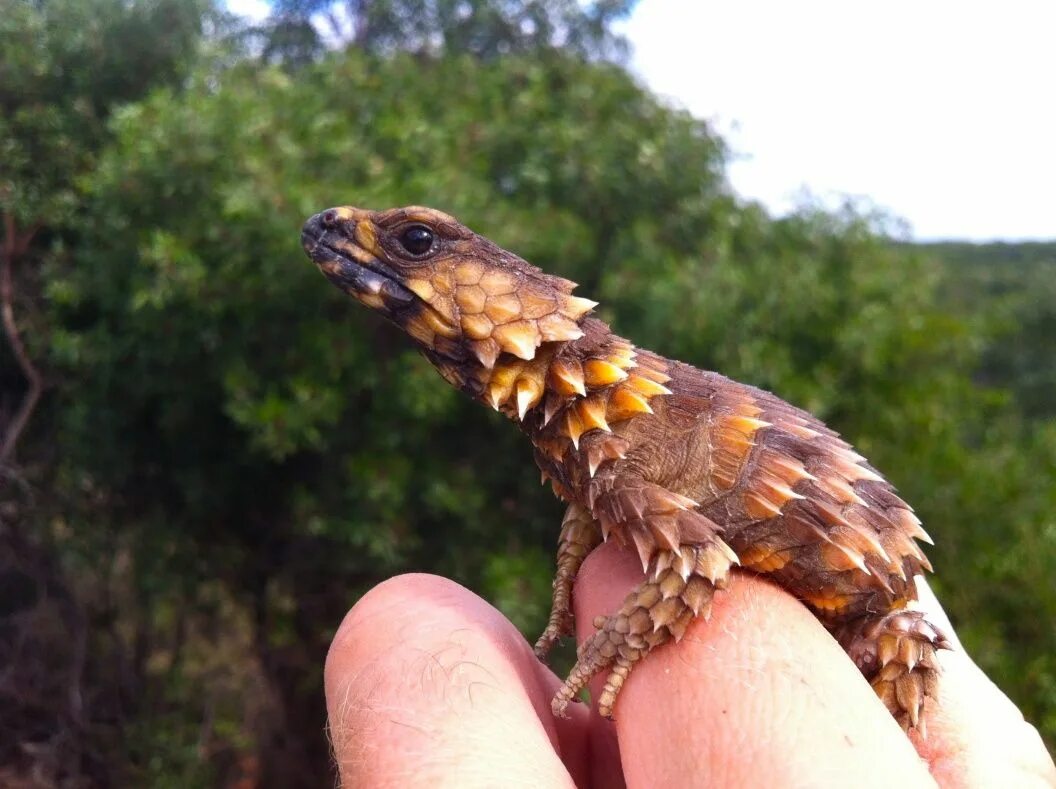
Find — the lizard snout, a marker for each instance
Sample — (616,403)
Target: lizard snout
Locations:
(312,232)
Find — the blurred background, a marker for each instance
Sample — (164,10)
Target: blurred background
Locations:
(208,453)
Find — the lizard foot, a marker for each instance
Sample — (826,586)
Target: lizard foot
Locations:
(897,652)
(659,610)
(580,534)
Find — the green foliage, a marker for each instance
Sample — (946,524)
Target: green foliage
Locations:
(64,64)
(246,451)
(1006,540)
(484,29)
(1011,289)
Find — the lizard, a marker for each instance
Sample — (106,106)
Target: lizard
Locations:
(693,471)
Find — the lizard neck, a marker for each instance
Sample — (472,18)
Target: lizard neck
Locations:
(571,394)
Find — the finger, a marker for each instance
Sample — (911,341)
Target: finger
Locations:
(428,685)
(976,735)
(759,695)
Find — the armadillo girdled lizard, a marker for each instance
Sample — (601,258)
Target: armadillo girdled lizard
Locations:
(693,471)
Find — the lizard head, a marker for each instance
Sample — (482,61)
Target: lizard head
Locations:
(463,299)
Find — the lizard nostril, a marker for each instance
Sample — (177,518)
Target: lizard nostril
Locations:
(329,218)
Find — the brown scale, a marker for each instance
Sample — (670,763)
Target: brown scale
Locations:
(692,471)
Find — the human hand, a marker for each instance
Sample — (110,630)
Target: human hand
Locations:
(428,685)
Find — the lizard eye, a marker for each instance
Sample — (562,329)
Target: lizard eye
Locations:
(417,240)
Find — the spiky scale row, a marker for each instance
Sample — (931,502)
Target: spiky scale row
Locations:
(598,399)
(659,524)
(817,495)
(591,394)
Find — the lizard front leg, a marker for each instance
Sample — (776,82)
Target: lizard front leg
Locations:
(580,534)
(687,560)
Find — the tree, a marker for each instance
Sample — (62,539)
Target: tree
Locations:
(299,30)
(64,66)
(1012,289)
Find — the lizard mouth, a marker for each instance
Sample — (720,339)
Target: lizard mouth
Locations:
(353,269)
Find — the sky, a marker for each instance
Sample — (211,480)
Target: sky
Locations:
(938,112)
(942,113)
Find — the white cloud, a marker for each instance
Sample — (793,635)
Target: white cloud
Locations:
(943,112)
(254,9)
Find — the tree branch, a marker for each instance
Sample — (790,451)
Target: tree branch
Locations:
(14,247)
